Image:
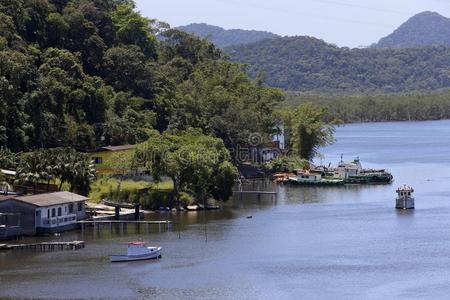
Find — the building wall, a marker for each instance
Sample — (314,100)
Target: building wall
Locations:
(27,214)
(60,215)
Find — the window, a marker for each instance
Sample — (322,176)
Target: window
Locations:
(80,206)
(48,213)
(97,160)
(53,212)
(71,208)
(59,211)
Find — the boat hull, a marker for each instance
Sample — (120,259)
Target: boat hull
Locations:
(124,258)
(317,183)
(404,203)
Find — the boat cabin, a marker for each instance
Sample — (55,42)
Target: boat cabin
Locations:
(307,176)
(405,199)
(137,248)
(347,170)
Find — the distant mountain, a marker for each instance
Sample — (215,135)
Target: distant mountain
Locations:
(424,29)
(224,38)
(309,64)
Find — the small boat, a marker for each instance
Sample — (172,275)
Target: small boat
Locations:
(137,251)
(404,200)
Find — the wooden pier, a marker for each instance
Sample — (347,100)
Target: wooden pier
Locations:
(110,223)
(50,246)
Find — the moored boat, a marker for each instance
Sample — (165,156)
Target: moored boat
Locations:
(137,251)
(305,177)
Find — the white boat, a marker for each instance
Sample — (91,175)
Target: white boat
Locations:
(137,251)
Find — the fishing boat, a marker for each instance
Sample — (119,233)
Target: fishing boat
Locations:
(404,200)
(137,251)
(353,173)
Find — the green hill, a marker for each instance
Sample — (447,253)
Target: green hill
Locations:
(224,38)
(309,64)
(424,29)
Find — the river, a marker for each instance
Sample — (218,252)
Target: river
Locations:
(311,243)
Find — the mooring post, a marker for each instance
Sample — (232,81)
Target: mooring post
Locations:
(137,214)
(117,213)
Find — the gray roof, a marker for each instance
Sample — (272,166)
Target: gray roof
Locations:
(50,199)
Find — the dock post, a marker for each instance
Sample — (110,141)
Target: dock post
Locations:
(137,214)
(117,213)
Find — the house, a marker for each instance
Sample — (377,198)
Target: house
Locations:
(46,213)
(102,155)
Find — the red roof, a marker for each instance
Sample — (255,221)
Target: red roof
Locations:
(136,243)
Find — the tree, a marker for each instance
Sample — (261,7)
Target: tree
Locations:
(132,28)
(196,163)
(63,164)
(221,100)
(306,130)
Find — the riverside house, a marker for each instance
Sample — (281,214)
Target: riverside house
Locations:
(46,213)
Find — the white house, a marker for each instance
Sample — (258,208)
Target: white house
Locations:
(47,213)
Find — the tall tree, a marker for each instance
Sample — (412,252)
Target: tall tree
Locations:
(307,130)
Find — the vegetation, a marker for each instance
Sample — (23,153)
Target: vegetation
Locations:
(351,108)
(89,73)
(309,64)
(59,165)
(424,29)
(306,130)
(197,164)
(285,164)
(80,74)
(223,38)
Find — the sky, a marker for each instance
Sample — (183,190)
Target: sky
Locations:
(349,23)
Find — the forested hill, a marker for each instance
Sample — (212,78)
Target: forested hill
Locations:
(89,73)
(224,38)
(424,29)
(308,64)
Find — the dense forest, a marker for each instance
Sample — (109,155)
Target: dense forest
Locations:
(86,73)
(351,108)
(309,64)
(224,38)
(424,29)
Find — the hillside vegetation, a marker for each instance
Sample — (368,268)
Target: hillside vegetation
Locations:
(224,38)
(309,64)
(424,29)
(87,73)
